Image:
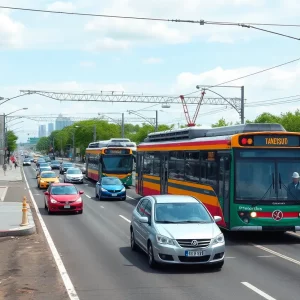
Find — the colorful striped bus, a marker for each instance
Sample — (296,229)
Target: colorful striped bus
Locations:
(110,161)
(242,173)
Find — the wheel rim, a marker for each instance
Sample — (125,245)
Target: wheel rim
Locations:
(150,257)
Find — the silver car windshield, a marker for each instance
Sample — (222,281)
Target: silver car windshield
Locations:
(181,213)
(75,171)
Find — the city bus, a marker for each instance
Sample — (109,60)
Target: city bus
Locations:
(110,161)
(242,173)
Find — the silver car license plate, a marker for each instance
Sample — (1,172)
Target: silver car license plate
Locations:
(194,253)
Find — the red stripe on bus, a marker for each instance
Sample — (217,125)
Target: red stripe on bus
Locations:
(222,142)
(285,214)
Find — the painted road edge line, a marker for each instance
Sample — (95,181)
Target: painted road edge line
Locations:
(125,218)
(277,254)
(4,192)
(60,265)
(130,198)
(258,291)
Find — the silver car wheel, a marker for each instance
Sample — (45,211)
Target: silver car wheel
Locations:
(132,242)
(151,261)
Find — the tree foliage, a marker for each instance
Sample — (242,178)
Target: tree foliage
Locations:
(11,140)
(83,133)
(290,120)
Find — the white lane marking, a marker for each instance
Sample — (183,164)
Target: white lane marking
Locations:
(277,254)
(125,218)
(258,291)
(89,196)
(5,188)
(130,197)
(60,265)
(229,257)
(265,256)
(102,206)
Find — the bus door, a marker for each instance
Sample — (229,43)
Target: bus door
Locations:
(224,184)
(139,170)
(99,163)
(164,173)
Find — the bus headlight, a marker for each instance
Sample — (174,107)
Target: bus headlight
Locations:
(253,214)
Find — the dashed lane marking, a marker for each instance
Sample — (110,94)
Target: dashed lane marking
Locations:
(89,196)
(102,206)
(124,218)
(266,256)
(130,198)
(257,291)
(277,254)
(60,265)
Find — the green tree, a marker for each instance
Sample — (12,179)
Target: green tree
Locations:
(11,141)
(43,144)
(221,123)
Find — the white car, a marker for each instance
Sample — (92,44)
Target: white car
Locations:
(26,162)
(73,175)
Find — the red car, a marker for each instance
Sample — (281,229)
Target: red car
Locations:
(62,197)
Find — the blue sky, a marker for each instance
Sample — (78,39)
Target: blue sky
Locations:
(56,52)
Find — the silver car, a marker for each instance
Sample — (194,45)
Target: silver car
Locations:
(175,229)
(73,175)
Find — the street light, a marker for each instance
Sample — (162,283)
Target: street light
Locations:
(74,150)
(5,129)
(141,116)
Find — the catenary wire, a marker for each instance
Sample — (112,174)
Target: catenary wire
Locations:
(249,75)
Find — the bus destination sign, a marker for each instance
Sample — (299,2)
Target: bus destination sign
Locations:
(277,140)
(116,151)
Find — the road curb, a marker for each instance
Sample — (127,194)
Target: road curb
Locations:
(21,230)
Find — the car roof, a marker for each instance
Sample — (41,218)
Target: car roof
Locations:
(174,199)
(62,184)
(47,172)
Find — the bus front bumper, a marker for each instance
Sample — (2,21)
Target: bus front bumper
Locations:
(266,228)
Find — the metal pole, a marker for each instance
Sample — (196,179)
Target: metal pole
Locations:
(156,120)
(95,133)
(242,105)
(4,138)
(74,151)
(123,126)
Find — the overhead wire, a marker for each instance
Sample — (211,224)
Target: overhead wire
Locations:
(248,75)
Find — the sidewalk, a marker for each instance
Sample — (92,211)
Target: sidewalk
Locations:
(11,175)
(12,191)
(27,267)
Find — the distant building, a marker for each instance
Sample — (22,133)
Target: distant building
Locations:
(42,131)
(62,122)
(50,128)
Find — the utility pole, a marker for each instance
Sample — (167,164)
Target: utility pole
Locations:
(123,126)
(74,150)
(95,133)
(242,106)
(156,120)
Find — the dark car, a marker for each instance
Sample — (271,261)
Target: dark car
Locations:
(110,188)
(39,161)
(64,167)
(55,164)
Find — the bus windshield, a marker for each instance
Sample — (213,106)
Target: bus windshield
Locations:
(266,175)
(117,164)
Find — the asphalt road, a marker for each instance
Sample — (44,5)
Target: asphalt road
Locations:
(96,252)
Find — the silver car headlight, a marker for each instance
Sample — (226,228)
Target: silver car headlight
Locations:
(164,240)
(219,239)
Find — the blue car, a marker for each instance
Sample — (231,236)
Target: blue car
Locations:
(110,188)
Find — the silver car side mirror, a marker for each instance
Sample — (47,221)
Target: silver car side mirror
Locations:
(217,219)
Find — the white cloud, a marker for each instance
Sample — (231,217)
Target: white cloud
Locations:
(62,6)
(106,44)
(280,82)
(87,64)
(11,32)
(152,60)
